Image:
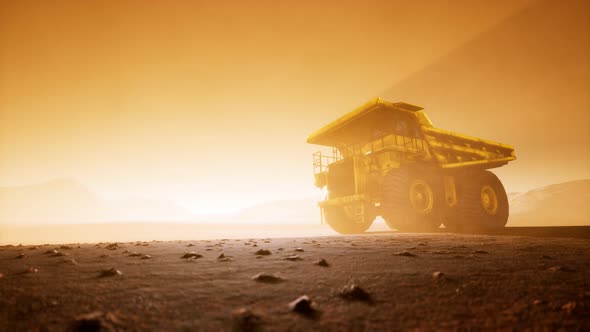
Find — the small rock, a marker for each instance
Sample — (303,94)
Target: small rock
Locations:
(59,254)
(322,262)
(221,256)
(302,305)
(438,276)
(190,245)
(405,253)
(146,256)
(262,252)
(1,275)
(546,257)
(294,258)
(112,246)
(254,245)
(569,307)
(33,248)
(355,293)
(267,278)
(299,249)
(191,255)
(281,249)
(561,269)
(96,321)
(32,270)
(135,254)
(480,252)
(111,272)
(51,252)
(20,256)
(65,247)
(70,261)
(245,320)
(538,302)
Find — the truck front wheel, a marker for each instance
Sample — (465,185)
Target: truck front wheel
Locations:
(345,220)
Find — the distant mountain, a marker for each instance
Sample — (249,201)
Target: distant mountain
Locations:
(554,205)
(56,201)
(66,201)
(149,210)
(524,82)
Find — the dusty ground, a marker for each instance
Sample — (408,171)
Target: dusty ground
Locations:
(487,282)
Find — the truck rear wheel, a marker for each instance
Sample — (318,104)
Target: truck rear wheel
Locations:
(411,200)
(482,204)
(344,220)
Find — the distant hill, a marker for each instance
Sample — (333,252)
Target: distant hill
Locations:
(66,201)
(554,205)
(56,201)
(524,82)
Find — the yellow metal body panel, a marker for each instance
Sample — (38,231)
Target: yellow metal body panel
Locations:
(380,136)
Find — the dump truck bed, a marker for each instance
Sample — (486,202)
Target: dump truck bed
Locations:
(357,129)
(453,150)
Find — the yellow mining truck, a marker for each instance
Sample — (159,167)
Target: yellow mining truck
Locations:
(388,159)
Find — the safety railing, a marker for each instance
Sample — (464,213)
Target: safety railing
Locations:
(322,160)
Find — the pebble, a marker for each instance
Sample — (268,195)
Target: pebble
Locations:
(294,258)
(20,256)
(110,272)
(146,256)
(51,252)
(191,255)
(299,249)
(569,307)
(245,320)
(405,253)
(561,269)
(135,254)
(263,252)
(438,276)
(112,246)
(32,270)
(355,293)
(267,278)
(302,305)
(322,262)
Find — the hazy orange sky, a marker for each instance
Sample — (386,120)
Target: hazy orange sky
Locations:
(206,103)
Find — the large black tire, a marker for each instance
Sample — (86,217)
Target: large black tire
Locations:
(412,200)
(482,204)
(343,222)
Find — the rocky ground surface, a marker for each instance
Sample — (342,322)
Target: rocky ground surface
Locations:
(374,282)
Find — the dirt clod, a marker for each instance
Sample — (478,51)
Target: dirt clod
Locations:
(268,278)
(354,292)
(110,272)
(191,255)
(322,262)
(244,320)
(263,252)
(302,305)
(294,258)
(405,253)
